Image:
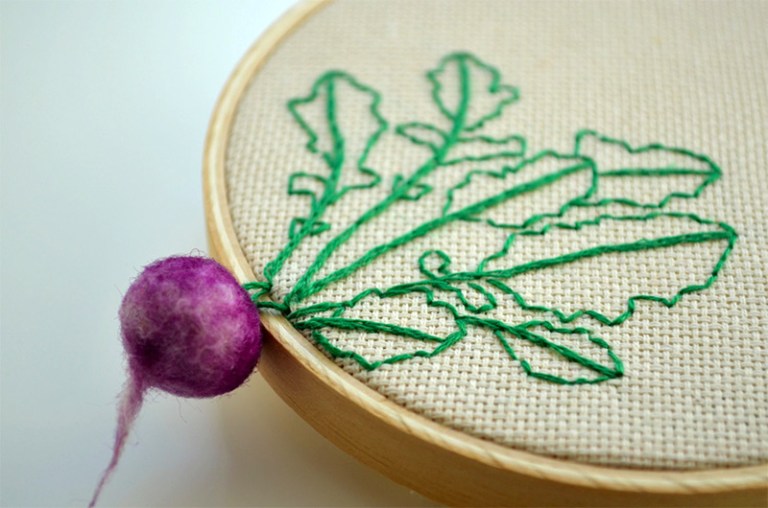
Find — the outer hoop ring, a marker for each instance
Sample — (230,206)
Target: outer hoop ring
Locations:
(440,463)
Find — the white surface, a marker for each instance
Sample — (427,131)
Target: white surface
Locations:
(104,110)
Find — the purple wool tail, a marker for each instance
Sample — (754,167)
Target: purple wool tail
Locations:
(131,400)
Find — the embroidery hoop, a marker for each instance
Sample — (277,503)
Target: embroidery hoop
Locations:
(403,445)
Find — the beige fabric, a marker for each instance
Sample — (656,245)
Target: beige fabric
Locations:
(687,74)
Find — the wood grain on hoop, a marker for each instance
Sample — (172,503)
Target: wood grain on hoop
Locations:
(441,463)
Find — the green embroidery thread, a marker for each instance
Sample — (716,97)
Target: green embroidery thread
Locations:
(456,293)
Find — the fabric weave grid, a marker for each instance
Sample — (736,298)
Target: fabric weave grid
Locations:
(694,394)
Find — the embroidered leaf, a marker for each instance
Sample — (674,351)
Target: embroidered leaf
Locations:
(342,121)
(624,260)
(649,175)
(566,356)
(374,314)
(551,180)
(469,92)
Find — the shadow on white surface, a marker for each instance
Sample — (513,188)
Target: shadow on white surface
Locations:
(265,439)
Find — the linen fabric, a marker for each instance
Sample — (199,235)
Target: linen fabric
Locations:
(685,74)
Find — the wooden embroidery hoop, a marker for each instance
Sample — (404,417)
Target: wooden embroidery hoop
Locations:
(440,463)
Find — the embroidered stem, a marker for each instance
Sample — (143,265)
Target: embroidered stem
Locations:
(304,287)
(428,227)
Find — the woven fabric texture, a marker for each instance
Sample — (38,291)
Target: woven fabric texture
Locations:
(685,74)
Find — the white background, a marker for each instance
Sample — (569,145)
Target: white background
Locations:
(104,108)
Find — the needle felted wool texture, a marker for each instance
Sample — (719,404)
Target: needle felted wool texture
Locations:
(189,329)
(664,101)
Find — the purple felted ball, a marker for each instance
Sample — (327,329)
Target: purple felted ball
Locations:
(189,328)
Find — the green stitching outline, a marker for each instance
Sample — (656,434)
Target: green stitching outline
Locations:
(463,60)
(712,175)
(441,279)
